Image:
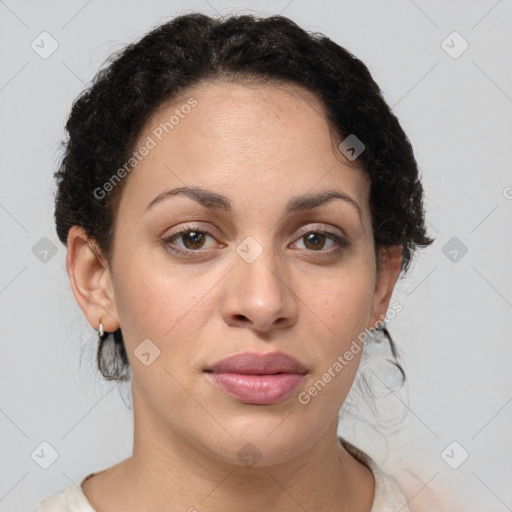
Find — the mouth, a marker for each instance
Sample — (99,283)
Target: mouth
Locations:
(254,378)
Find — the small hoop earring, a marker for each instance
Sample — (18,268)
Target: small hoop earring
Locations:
(101,332)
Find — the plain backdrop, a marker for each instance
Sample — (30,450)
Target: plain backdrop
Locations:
(453,96)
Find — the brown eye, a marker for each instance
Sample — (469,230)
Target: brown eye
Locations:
(193,239)
(314,241)
(187,242)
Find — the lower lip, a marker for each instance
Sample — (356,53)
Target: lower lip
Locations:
(257,389)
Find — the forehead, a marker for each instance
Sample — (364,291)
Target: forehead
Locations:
(234,111)
(243,138)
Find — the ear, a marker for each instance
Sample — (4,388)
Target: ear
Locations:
(390,261)
(91,280)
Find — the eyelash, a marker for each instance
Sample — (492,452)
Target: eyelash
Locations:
(167,242)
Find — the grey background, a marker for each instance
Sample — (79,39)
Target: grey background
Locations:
(454,330)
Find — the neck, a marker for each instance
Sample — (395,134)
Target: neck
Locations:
(167,472)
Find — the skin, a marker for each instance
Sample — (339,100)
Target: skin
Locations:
(259,145)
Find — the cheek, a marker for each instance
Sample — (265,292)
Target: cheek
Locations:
(345,306)
(161,302)
(344,310)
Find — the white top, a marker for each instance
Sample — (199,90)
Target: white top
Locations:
(388,496)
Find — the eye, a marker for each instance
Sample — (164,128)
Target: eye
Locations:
(192,239)
(315,240)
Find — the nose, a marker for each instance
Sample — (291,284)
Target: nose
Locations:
(259,294)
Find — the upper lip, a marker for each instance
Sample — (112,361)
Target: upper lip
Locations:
(254,363)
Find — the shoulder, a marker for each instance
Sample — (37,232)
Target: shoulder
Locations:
(71,499)
(388,496)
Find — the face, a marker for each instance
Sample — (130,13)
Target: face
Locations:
(273,254)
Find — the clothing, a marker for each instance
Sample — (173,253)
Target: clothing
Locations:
(388,496)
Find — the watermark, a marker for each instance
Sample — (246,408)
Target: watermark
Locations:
(249,454)
(44,250)
(143,150)
(44,455)
(249,249)
(455,249)
(44,45)
(343,360)
(146,352)
(454,45)
(454,455)
(507,192)
(174,120)
(351,147)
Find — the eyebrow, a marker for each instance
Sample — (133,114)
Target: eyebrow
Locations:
(216,201)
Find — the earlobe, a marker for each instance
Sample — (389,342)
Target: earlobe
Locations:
(90,280)
(389,269)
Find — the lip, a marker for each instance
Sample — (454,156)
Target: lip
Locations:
(255,378)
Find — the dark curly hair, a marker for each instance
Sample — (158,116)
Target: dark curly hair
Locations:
(108,117)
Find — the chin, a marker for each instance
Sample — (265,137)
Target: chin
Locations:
(260,442)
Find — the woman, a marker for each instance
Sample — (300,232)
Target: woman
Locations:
(237,202)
